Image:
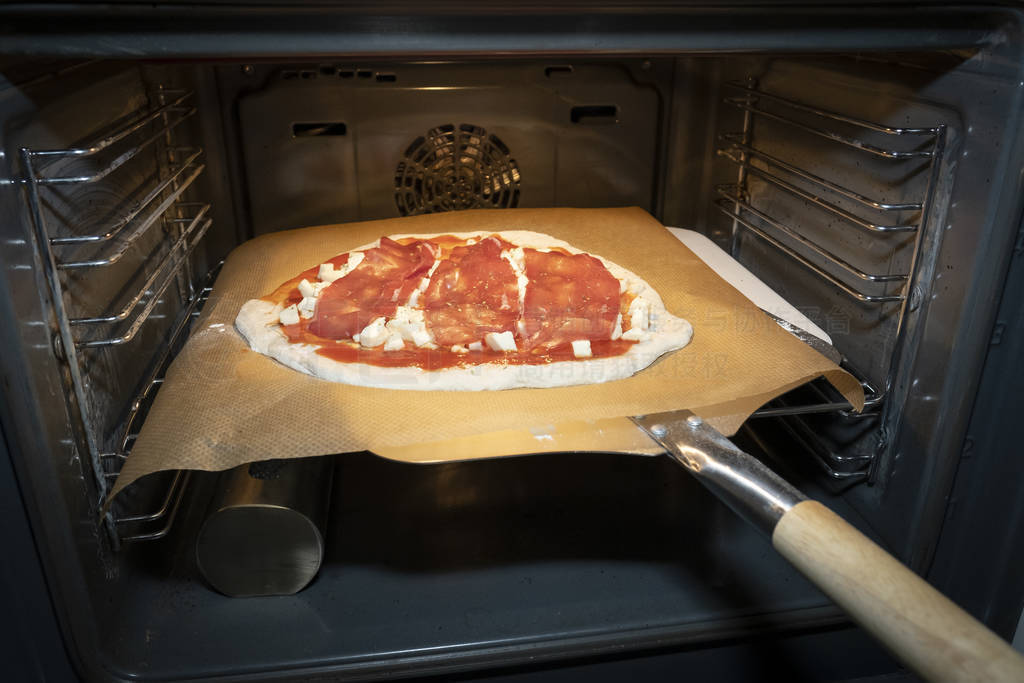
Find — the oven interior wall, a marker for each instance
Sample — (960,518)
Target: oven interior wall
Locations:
(493,563)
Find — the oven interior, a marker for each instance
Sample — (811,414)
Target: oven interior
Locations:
(866,188)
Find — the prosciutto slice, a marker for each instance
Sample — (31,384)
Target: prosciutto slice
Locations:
(473,292)
(570,297)
(384,279)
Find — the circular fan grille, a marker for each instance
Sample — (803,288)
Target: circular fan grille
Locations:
(452,168)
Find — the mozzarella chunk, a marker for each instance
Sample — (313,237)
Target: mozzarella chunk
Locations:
(636,335)
(617,332)
(290,315)
(639,314)
(307,306)
(476,346)
(328,273)
(459,348)
(394,343)
(517,259)
(312,289)
(374,334)
(410,324)
(581,348)
(500,341)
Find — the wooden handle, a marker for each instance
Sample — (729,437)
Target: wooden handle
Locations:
(918,624)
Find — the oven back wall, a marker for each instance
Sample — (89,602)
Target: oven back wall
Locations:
(336,143)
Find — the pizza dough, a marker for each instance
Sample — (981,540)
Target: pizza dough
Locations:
(260,323)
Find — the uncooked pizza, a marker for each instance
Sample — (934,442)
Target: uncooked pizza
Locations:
(464,312)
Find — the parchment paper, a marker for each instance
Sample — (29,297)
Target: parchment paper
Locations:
(222,405)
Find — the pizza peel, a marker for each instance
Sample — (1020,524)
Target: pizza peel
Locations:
(919,625)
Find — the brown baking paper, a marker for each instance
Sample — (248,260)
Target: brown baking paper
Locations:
(223,405)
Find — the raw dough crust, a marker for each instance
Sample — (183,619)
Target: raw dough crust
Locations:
(257,321)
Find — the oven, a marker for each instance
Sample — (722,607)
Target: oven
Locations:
(862,161)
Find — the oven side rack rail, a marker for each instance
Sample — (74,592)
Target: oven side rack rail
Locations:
(161,228)
(923,145)
(879,219)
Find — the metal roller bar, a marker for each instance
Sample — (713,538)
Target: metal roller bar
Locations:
(830,135)
(122,158)
(816,200)
(133,329)
(835,116)
(867,298)
(121,247)
(121,223)
(735,141)
(147,286)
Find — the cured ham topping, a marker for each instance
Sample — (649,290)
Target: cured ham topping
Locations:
(447,301)
(473,292)
(383,279)
(570,297)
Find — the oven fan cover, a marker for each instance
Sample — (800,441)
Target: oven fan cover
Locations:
(456,167)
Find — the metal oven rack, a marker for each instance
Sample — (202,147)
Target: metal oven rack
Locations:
(877,218)
(170,227)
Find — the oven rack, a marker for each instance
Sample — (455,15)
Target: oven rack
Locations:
(152,231)
(886,220)
(151,525)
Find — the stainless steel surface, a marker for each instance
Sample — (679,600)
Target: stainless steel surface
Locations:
(740,480)
(264,535)
(816,343)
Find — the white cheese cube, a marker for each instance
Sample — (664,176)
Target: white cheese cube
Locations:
(414,298)
(459,348)
(636,335)
(374,334)
(290,315)
(476,346)
(306,289)
(355,337)
(307,307)
(411,325)
(639,314)
(581,348)
(326,272)
(617,332)
(394,343)
(422,337)
(500,341)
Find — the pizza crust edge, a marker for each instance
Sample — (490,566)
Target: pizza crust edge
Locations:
(257,321)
